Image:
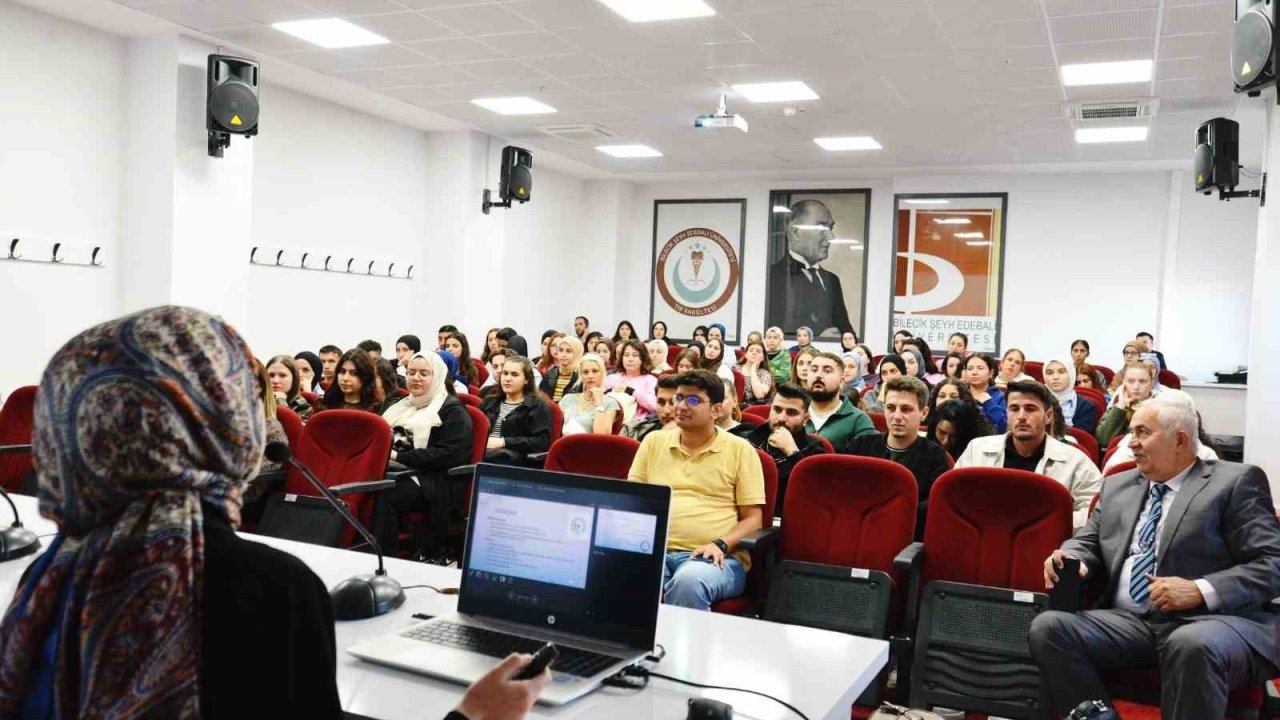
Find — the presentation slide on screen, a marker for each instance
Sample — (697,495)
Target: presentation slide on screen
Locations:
(532,539)
(628,531)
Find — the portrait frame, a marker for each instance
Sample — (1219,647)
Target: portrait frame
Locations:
(722,224)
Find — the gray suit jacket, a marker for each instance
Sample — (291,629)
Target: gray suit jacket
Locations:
(1221,527)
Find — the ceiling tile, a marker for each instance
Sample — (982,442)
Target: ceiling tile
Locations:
(1106,26)
(689,77)
(1026,112)
(733,53)
(405,27)
(1006,78)
(353,8)
(481,20)
(1109,93)
(1180,68)
(693,31)
(437,75)
(571,65)
(998,35)
(557,14)
(1194,87)
(437,4)
(781,30)
(1022,58)
(455,50)
(266,11)
(380,56)
(265,39)
(1111,50)
(1218,17)
(425,96)
(1019,96)
(1056,8)
(198,16)
(1201,45)
(325,61)
(376,79)
(650,61)
(544,88)
(969,15)
(497,70)
(616,82)
(606,38)
(528,45)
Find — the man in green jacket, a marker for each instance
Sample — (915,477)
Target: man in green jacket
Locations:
(830,415)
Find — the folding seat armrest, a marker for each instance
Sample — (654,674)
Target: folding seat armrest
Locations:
(399,471)
(271,477)
(538,458)
(762,539)
(908,562)
(15,449)
(461,471)
(367,486)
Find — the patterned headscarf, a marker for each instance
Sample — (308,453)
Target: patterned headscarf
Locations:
(138,421)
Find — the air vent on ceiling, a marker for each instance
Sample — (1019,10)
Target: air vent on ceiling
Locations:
(1128,110)
(577,131)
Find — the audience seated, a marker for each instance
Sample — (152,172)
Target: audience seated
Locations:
(1145,341)
(329,357)
(891,366)
(1137,385)
(442,334)
(1130,354)
(497,359)
(563,376)
(783,436)
(717,495)
(459,382)
(657,350)
(1124,448)
(387,382)
(804,340)
(917,366)
(519,422)
(848,341)
(356,385)
(1028,446)
(928,371)
(590,409)
(270,399)
(947,390)
(1011,368)
(491,345)
(955,423)
(779,359)
(905,407)
(830,415)
(958,343)
(1079,352)
(869,376)
(406,347)
(713,360)
(626,331)
(715,331)
(658,331)
(979,370)
(635,378)
(1060,378)
(372,347)
(660,420)
(547,360)
(603,347)
(310,370)
(852,383)
(581,326)
(686,360)
(285,381)
(953,365)
(755,335)
(456,343)
(730,414)
(1089,377)
(756,370)
(1186,554)
(431,433)
(800,365)
(898,338)
(700,334)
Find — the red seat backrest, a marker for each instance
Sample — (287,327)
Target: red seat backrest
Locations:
(1034,369)
(469,399)
(1170,379)
(740,384)
(1106,457)
(770,469)
(1107,373)
(291,423)
(752,420)
(586,454)
(342,446)
(1094,396)
(557,419)
(672,351)
(1120,467)
(994,527)
(827,447)
(1115,441)
(482,372)
(878,419)
(16,419)
(875,363)
(479,433)
(310,397)
(617,423)
(1085,441)
(849,511)
(758,411)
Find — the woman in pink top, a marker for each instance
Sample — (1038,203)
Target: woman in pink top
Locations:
(636,373)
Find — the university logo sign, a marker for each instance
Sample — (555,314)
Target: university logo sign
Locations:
(697,272)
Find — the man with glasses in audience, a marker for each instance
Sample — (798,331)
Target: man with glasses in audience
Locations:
(717,495)
(783,436)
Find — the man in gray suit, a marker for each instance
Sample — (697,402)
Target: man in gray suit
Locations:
(1189,554)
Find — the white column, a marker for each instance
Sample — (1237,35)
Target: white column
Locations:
(1262,411)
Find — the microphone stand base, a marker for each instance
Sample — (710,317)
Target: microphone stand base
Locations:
(16,542)
(365,596)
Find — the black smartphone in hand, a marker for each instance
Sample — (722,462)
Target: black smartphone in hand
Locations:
(546,655)
(1068,593)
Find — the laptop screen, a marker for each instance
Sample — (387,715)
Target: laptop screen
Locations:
(570,553)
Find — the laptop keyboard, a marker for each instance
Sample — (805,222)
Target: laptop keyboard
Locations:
(572,661)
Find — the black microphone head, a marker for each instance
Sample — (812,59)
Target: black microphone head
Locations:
(278,452)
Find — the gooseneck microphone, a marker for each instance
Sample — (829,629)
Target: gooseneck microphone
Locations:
(362,596)
(16,541)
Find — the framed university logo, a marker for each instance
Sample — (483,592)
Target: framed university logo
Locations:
(697,265)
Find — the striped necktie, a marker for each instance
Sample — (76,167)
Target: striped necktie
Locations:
(1145,562)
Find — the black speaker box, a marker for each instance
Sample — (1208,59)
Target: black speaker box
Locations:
(1217,159)
(516,181)
(232,103)
(1253,46)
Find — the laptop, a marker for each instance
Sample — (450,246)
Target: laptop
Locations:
(549,557)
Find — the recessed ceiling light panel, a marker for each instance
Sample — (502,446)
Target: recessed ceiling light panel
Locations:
(1107,73)
(331,33)
(514,106)
(1086,136)
(629,151)
(650,10)
(788,91)
(838,144)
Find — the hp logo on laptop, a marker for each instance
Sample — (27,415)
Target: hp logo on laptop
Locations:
(551,619)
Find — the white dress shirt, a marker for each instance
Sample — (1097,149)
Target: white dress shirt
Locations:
(810,271)
(1123,600)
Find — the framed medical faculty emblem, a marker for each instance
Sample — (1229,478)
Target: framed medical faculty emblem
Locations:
(697,266)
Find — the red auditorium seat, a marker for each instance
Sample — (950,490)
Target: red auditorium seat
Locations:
(15,429)
(740,385)
(1096,397)
(827,447)
(291,423)
(586,454)
(748,601)
(482,372)
(1170,379)
(1087,442)
(757,411)
(310,397)
(1107,373)
(416,522)
(879,420)
(469,399)
(1034,369)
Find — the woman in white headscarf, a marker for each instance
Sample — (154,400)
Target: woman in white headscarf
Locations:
(431,432)
(1060,378)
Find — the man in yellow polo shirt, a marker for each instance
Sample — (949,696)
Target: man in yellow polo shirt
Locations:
(717,495)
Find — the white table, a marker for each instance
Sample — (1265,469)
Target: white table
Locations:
(820,672)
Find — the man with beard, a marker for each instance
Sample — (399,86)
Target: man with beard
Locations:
(831,415)
(906,403)
(783,436)
(1028,446)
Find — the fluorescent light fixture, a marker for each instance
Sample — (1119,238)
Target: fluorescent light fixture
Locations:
(968,235)
(650,10)
(629,151)
(927,201)
(1107,73)
(847,143)
(775,91)
(514,106)
(331,33)
(977,243)
(1111,135)
(781,209)
(952,221)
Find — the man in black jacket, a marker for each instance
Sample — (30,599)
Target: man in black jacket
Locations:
(783,436)
(906,403)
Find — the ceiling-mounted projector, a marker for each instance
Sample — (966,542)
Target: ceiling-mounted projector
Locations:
(721,119)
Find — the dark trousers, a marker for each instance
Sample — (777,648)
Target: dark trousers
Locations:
(436,497)
(1200,661)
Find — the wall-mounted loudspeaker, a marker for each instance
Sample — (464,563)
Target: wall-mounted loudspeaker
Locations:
(516,181)
(1217,155)
(1253,46)
(232,101)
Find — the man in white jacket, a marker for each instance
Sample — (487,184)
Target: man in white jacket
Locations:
(1028,446)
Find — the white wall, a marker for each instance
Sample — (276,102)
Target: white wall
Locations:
(60,171)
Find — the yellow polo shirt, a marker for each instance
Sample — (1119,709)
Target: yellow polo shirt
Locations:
(706,489)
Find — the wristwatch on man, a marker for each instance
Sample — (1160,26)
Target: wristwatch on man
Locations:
(724,546)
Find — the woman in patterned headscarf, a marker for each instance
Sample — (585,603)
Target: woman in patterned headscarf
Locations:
(146,430)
